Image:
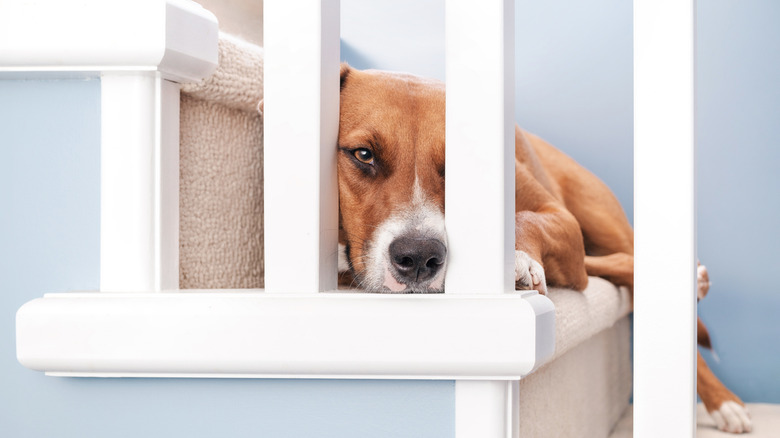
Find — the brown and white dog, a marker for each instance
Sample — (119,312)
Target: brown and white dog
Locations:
(569,225)
(728,411)
(391,196)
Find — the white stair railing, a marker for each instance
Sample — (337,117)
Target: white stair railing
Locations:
(208,333)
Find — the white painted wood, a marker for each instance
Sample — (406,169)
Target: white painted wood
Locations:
(175,37)
(492,340)
(513,410)
(480,188)
(486,409)
(139,200)
(665,262)
(322,335)
(480,146)
(301,116)
(138,49)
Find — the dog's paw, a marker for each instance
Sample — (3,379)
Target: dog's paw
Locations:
(702,281)
(529,274)
(732,417)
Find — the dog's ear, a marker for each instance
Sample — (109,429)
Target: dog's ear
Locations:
(345,69)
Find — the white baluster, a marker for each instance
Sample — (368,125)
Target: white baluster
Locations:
(301,116)
(665,268)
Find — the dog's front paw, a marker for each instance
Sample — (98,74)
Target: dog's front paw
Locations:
(529,274)
(732,417)
(702,281)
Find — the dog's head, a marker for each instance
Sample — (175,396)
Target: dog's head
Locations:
(391,181)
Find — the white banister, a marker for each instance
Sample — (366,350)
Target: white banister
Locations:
(473,333)
(665,267)
(301,118)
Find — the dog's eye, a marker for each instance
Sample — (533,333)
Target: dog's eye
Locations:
(364,155)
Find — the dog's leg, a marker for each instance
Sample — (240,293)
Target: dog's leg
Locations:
(548,241)
(702,287)
(726,409)
(702,281)
(618,268)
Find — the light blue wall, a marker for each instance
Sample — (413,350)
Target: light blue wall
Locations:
(574,88)
(49,228)
(738,104)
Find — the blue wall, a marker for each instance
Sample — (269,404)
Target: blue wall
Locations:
(574,88)
(49,242)
(738,117)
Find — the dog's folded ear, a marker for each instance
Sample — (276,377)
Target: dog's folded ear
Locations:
(345,69)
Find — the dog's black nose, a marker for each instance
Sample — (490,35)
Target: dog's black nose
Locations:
(417,259)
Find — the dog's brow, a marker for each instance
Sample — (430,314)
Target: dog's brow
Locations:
(368,137)
(377,141)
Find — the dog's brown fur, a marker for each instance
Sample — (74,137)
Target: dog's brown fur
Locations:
(567,220)
(712,391)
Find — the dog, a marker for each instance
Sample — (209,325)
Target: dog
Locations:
(391,197)
(569,225)
(728,411)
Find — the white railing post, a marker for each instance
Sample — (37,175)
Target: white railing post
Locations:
(301,117)
(139,189)
(665,268)
(480,186)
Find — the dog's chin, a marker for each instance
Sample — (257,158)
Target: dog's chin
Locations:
(412,290)
(389,285)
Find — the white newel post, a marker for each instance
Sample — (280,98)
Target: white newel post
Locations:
(480,186)
(142,51)
(139,191)
(665,261)
(301,122)
(139,213)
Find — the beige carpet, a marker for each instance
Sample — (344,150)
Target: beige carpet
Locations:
(766,423)
(221,191)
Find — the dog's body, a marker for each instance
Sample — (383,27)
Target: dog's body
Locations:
(391,189)
(569,225)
